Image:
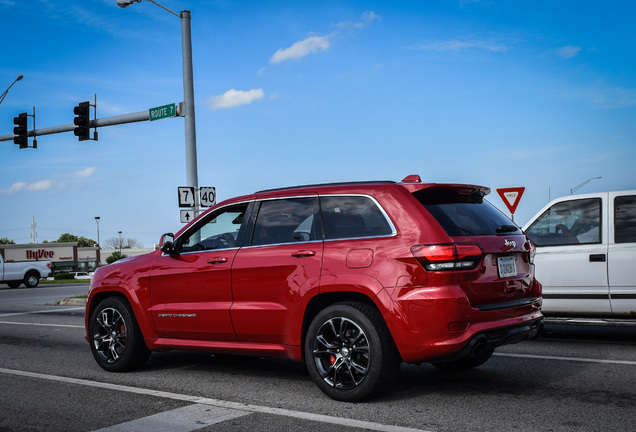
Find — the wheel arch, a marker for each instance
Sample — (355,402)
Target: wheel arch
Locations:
(35,273)
(321,301)
(138,314)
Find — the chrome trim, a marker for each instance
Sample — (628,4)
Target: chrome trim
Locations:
(306,195)
(281,244)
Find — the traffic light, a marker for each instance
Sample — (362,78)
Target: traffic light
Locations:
(20,130)
(82,121)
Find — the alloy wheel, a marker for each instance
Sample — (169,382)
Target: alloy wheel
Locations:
(342,353)
(109,335)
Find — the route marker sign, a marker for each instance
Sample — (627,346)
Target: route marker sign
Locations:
(162,112)
(207,196)
(186,196)
(511,197)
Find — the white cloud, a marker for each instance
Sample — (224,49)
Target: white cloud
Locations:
(301,49)
(568,52)
(46,184)
(40,185)
(233,98)
(604,96)
(366,19)
(15,187)
(458,45)
(85,172)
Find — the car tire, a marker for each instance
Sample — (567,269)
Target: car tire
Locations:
(350,353)
(115,338)
(31,279)
(14,284)
(467,363)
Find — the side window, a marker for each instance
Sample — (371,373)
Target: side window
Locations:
(220,231)
(285,221)
(569,222)
(352,217)
(625,219)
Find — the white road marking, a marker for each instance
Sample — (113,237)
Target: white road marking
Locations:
(573,359)
(41,324)
(185,419)
(60,309)
(321,418)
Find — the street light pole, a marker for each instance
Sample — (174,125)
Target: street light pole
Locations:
(192,176)
(574,189)
(4,94)
(120,242)
(97,220)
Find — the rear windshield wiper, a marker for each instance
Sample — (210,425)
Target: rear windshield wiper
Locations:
(506,229)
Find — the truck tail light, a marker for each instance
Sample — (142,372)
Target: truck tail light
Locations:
(452,256)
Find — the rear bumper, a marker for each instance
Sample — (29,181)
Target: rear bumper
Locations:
(491,339)
(432,323)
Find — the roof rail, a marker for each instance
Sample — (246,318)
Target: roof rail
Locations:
(326,185)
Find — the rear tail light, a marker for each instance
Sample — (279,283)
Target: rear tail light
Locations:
(454,256)
(532,251)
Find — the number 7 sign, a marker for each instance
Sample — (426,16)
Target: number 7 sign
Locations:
(186,196)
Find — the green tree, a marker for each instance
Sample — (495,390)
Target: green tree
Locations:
(116,256)
(81,241)
(5,240)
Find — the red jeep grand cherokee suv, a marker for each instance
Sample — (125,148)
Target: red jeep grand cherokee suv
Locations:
(352,279)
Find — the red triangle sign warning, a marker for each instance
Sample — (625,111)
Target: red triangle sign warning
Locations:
(511,197)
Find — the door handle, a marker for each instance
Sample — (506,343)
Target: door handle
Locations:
(217,260)
(598,258)
(303,253)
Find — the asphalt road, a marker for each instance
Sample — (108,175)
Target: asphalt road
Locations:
(572,379)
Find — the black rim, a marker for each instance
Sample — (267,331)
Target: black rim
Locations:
(342,353)
(109,335)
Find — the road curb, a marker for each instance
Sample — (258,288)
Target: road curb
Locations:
(73,302)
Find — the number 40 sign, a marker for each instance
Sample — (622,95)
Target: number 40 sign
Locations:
(207,196)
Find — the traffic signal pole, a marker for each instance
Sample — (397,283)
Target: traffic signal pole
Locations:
(106,121)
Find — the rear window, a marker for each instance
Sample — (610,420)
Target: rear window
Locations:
(352,217)
(465,214)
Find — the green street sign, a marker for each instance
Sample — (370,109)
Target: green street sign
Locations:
(162,112)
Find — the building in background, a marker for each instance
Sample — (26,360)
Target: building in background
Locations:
(63,256)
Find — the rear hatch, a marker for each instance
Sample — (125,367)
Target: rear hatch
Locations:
(488,256)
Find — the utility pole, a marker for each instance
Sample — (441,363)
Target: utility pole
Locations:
(33,233)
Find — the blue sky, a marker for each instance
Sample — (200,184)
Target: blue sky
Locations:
(540,94)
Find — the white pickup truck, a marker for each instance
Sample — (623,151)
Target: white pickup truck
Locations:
(24,272)
(586,254)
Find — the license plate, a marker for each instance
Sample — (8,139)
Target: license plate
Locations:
(507,266)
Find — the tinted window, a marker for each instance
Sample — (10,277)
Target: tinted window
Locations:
(569,222)
(220,231)
(625,219)
(465,214)
(285,221)
(352,216)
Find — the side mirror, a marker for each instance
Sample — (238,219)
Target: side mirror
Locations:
(166,243)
